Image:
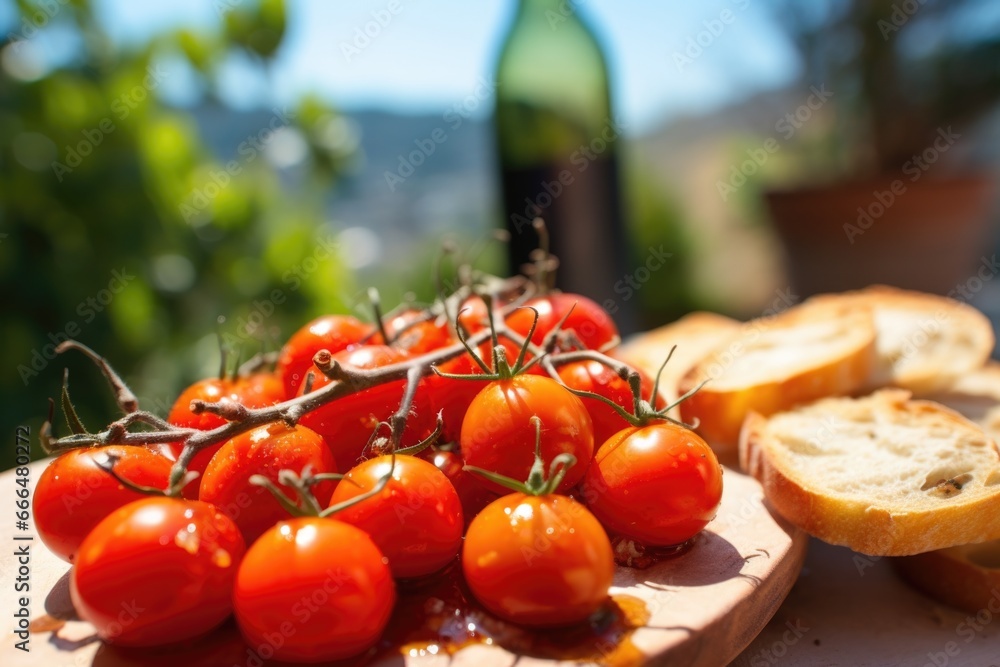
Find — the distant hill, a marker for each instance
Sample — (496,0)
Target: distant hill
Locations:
(452,187)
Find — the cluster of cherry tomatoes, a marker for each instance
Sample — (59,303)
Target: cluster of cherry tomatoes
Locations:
(530,483)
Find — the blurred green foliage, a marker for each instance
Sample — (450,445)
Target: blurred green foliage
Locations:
(127,227)
(119,227)
(901,71)
(656,220)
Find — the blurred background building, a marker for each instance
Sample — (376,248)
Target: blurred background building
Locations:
(165,164)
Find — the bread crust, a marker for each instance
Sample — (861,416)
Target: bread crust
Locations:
(966,577)
(694,335)
(900,530)
(720,411)
(940,340)
(976,396)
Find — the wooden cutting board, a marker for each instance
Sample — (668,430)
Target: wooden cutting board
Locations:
(702,607)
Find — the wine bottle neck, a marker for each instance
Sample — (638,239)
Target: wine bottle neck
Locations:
(558,8)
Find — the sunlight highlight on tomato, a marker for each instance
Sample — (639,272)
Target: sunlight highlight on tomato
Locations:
(74,493)
(416,520)
(332,601)
(660,484)
(540,561)
(498,436)
(157,571)
(266,451)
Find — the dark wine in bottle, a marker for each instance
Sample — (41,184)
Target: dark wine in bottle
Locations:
(557,143)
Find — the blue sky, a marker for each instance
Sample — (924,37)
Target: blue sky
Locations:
(432,54)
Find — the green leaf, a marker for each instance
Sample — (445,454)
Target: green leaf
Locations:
(258,29)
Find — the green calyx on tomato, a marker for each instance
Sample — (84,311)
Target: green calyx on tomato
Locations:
(644,411)
(502,369)
(308,505)
(538,483)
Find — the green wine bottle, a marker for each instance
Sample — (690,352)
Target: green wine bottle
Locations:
(557,144)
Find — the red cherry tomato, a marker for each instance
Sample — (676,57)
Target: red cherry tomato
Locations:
(595,377)
(157,571)
(452,397)
(330,332)
(348,422)
(416,521)
(320,585)
(418,337)
(658,484)
(264,451)
(259,390)
(592,325)
(471,492)
(497,433)
(538,560)
(74,494)
(472,315)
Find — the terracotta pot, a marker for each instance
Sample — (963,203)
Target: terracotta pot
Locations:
(928,234)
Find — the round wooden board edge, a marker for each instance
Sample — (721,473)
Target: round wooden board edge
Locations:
(766,579)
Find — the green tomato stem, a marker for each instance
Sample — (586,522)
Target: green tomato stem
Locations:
(376,301)
(123,395)
(538,483)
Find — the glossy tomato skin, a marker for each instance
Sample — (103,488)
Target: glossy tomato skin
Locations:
(659,484)
(420,337)
(329,332)
(497,433)
(266,451)
(472,315)
(348,422)
(540,561)
(157,571)
(416,521)
(74,494)
(452,397)
(259,390)
(336,591)
(473,495)
(595,377)
(593,326)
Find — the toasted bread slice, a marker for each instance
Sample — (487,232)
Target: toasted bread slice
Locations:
(924,341)
(773,364)
(695,335)
(975,396)
(966,577)
(882,474)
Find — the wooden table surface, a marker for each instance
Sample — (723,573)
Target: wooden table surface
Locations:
(849,609)
(702,607)
(844,609)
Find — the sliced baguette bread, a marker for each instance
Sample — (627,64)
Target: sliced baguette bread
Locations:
(882,474)
(924,341)
(773,364)
(966,577)
(695,335)
(975,396)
